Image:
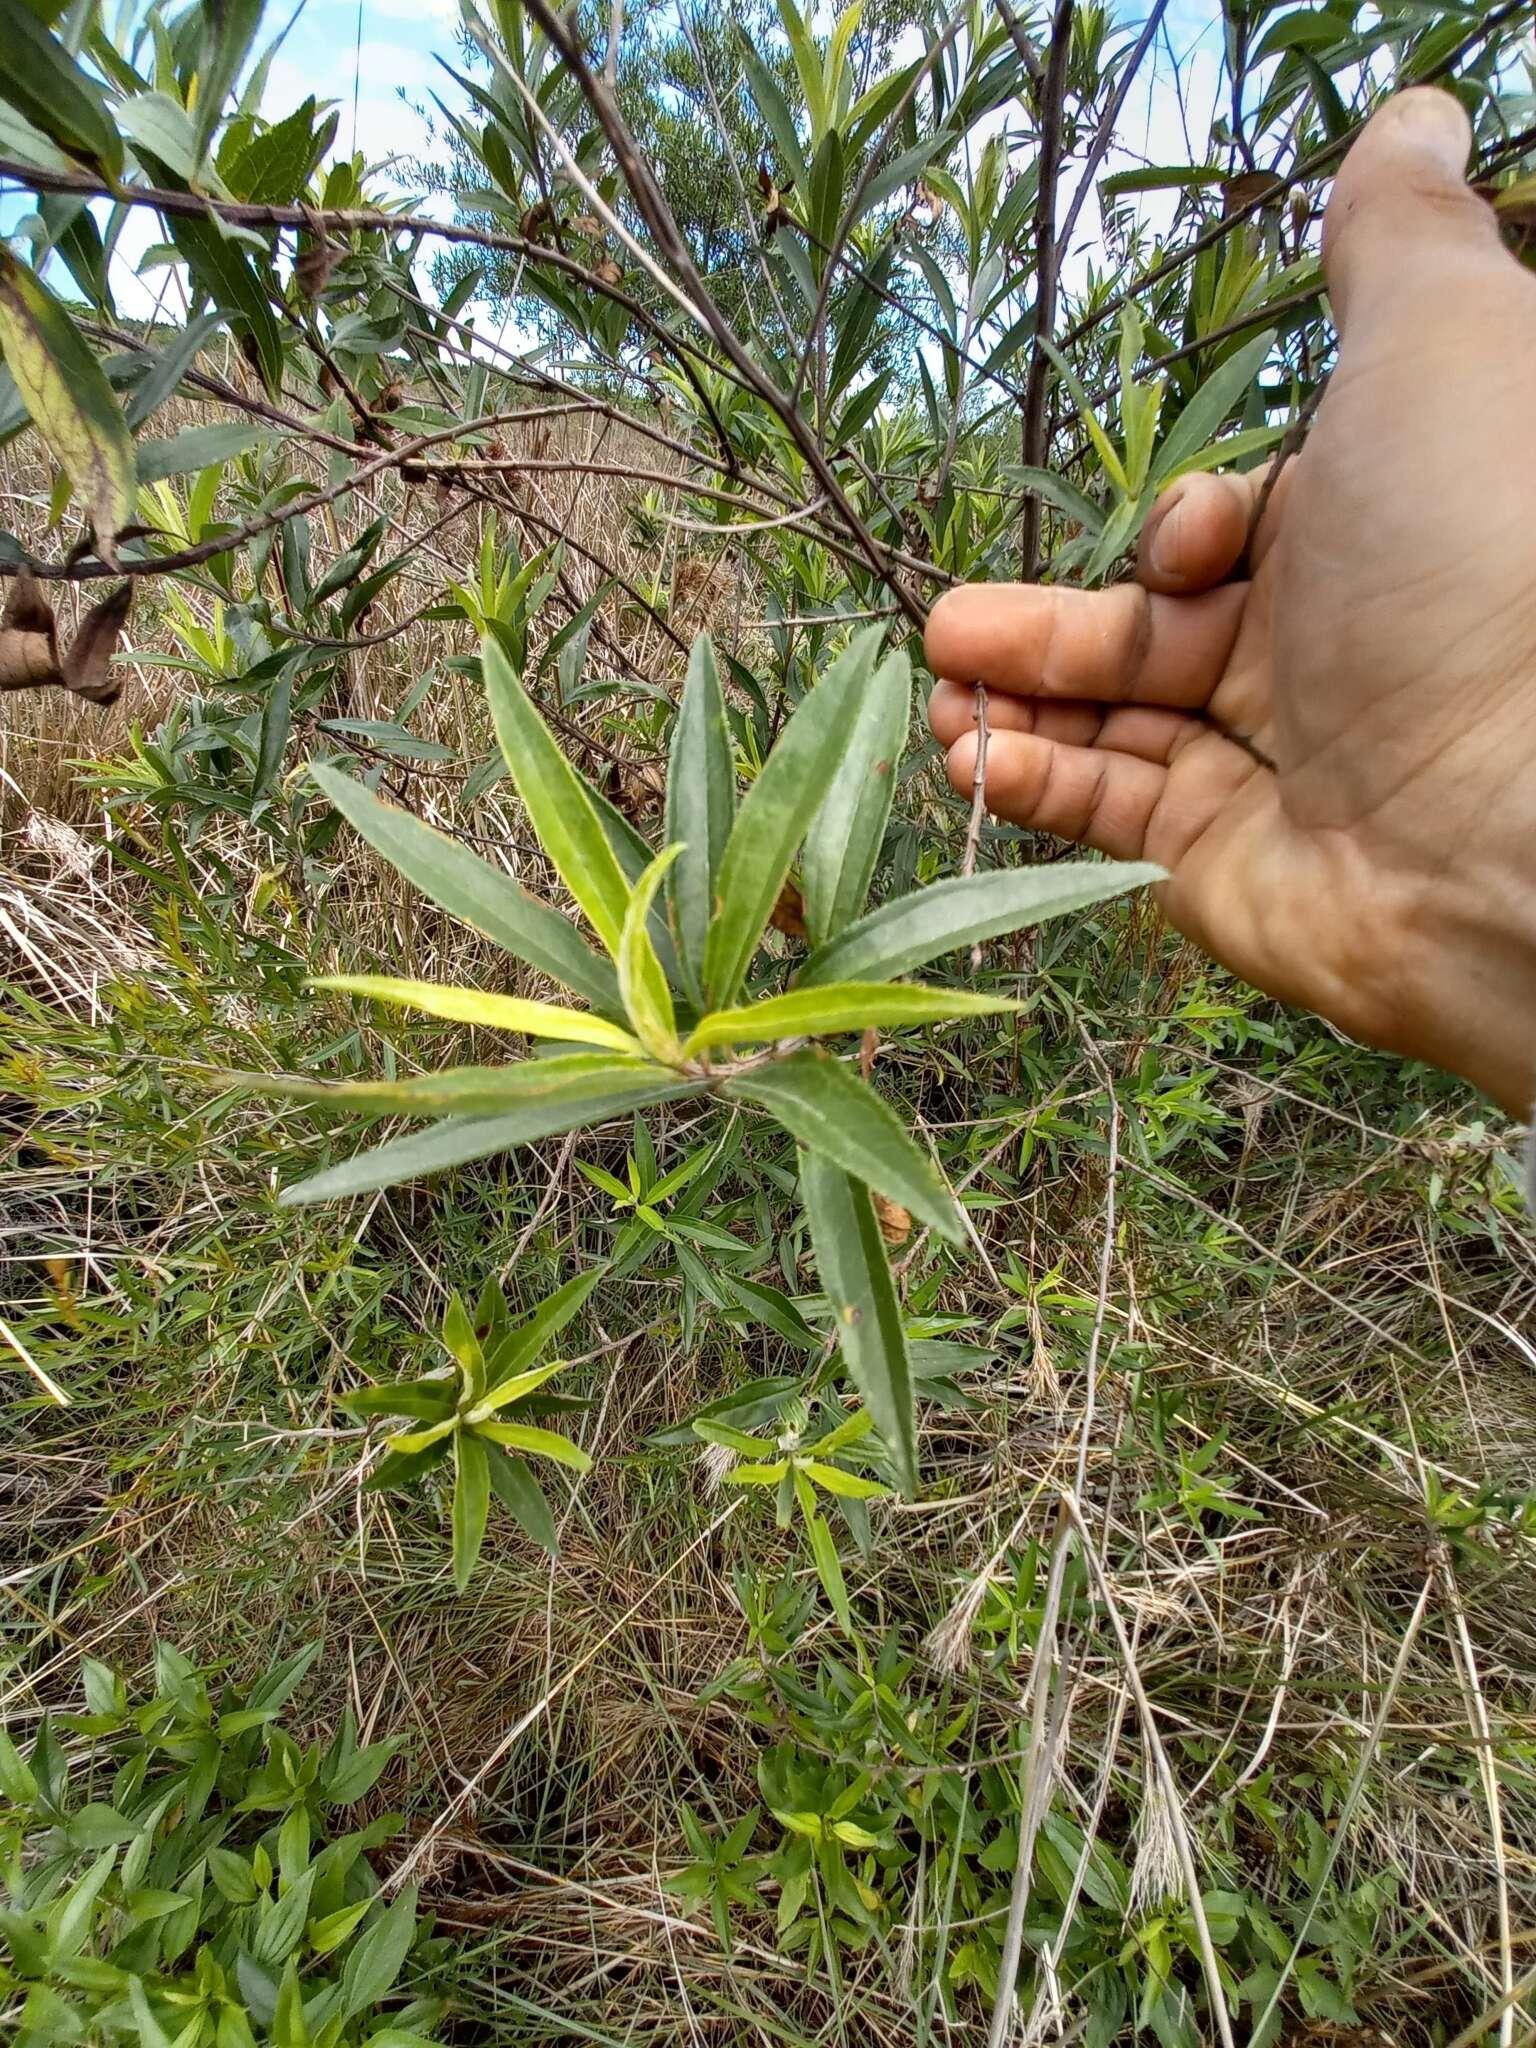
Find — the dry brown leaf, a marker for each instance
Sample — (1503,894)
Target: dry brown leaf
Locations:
(788,914)
(29,643)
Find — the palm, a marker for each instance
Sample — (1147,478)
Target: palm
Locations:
(1320,754)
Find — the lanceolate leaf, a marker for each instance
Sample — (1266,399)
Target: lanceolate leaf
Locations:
(1205,412)
(701,802)
(424,1400)
(42,81)
(461,1139)
(569,828)
(642,982)
(904,935)
(832,1113)
(470,1091)
(830,1571)
(844,1006)
(776,813)
(226,275)
(72,406)
(471,1503)
(843,843)
(470,888)
(477,1006)
(543,1443)
(856,1278)
(519,1493)
(525,1340)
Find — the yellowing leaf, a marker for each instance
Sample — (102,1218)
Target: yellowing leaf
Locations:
(476,1006)
(642,981)
(67,394)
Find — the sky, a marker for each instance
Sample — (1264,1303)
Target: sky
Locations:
(377,62)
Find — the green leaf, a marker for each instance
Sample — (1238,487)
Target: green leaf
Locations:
(460,1139)
(856,1277)
(830,1572)
(1055,490)
(469,1091)
(843,843)
(841,1006)
(769,1305)
(773,107)
(848,1485)
(701,802)
(425,1400)
(642,981)
(16,1779)
(512,1389)
(904,935)
(228,32)
(1233,448)
(1205,413)
(543,1443)
(161,126)
(776,813)
(832,1113)
(71,404)
(558,807)
(46,86)
(476,1006)
(519,1493)
(415,1440)
(525,1340)
(471,1504)
(228,278)
(471,889)
(1162,178)
(1106,450)
(376,1960)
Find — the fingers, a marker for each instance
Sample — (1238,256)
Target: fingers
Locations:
(1100,799)
(1196,532)
(1401,221)
(1124,645)
(1148,731)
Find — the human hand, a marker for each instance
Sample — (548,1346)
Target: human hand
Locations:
(1382,654)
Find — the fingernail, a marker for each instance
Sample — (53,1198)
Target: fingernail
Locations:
(1167,549)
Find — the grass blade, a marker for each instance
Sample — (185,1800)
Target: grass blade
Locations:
(906,934)
(832,1113)
(470,889)
(843,1006)
(558,807)
(701,803)
(856,1276)
(776,813)
(843,844)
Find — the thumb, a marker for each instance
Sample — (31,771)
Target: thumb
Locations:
(1402,225)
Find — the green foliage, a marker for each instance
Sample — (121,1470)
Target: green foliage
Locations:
(479,1416)
(174,1873)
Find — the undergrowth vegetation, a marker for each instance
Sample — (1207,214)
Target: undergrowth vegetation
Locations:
(806,1504)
